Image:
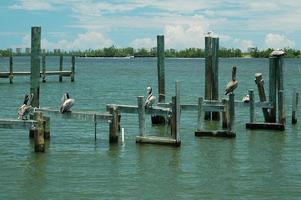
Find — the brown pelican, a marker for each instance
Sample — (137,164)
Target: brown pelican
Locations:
(232,85)
(67,103)
(26,108)
(278,52)
(150,100)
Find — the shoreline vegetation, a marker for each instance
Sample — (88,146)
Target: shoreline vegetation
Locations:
(169,53)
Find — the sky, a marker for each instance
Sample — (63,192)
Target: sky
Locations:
(94,24)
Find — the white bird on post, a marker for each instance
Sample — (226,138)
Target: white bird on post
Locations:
(67,103)
(150,100)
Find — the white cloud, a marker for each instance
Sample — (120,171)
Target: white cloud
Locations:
(243,44)
(33,5)
(144,43)
(88,40)
(277,41)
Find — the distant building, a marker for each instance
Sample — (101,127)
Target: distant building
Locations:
(27,50)
(18,50)
(251,49)
(43,51)
(57,51)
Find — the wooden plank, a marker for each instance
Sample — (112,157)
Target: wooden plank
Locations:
(158,140)
(35,65)
(265,126)
(294,107)
(134,109)
(252,106)
(86,116)
(261,92)
(218,133)
(161,67)
(16,124)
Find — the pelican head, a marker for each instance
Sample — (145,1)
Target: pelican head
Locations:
(149,90)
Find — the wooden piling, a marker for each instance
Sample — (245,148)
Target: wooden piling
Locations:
(272,87)
(141,115)
(211,74)
(11,65)
(72,68)
(262,97)
(39,142)
(161,68)
(252,106)
(294,107)
(113,128)
(281,109)
(46,124)
(200,104)
(35,65)
(177,110)
(225,114)
(44,68)
(231,111)
(61,67)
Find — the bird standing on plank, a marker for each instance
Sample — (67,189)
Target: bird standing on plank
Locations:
(150,100)
(67,103)
(232,85)
(26,108)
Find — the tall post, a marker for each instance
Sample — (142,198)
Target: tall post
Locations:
(281,110)
(61,68)
(35,65)
(294,109)
(44,68)
(225,113)
(39,142)
(200,105)
(113,128)
(141,115)
(161,68)
(211,73)
(262,97)
(231,110)
(72,68)
(272,87)
(46,127)
(11,66)
(252,106)
(177,111)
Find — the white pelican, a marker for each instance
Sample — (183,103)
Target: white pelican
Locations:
(25,109)
(246,99)
(150,100)
(67,103)
(232,85)
(278,52)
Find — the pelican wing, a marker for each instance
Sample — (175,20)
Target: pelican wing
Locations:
(231,86)
(67,105)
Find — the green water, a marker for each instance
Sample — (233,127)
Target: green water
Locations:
(254,165)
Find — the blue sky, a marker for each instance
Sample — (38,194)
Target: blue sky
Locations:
(79,24)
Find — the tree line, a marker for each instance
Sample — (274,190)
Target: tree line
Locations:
(172,53)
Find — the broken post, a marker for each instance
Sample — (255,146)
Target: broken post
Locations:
(141,115)
(281,110)
(262,97)
(39,142)
(113,128)
(252,106)
(11,65)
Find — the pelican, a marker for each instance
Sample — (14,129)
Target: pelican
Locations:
(232,85)
(150,100)
(67,103)
(278,52)
(246,99)
(25,109)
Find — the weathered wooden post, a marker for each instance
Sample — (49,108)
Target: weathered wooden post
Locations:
(281,110)
(35,65)
(39,142)
(211,73)
(113,128)
(72,68)
(11,66)
(141,115)
(262,97)
(177,112)
(46,127)
(61,68)
(161,68)
(44,68)
(231,111)
(252,106)
(225,113)
(200,105)
(175,121)
(294,107)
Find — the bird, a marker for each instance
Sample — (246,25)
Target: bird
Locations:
(277,52)
(246,99)
(26,108)
(232,85)
(150,100)
(67,103)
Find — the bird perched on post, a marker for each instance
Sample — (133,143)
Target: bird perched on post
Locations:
(150,100)
(67,103)
(277,53)
(26,108)
(232,85)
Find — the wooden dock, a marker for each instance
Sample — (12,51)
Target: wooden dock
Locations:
(17,124)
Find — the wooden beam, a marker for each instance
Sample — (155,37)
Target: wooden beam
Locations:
(161,67)
(16,124)
(218,133)
(158,140)
(265,126)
